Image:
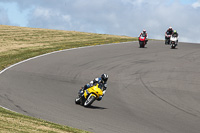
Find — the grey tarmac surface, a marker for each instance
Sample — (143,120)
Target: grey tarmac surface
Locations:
(150,90)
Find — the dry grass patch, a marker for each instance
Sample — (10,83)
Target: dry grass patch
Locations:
(19,43)
(13,122)
(12,37)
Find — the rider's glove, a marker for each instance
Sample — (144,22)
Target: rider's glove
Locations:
(105,86)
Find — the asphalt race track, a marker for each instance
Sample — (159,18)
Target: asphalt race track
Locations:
(150,90)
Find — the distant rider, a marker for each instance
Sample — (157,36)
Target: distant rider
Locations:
(144,34)
(175,33)
(168,32)
(101,80)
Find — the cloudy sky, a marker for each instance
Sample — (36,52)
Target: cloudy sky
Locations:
(118,17)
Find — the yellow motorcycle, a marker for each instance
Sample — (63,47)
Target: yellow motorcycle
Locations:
(88,96)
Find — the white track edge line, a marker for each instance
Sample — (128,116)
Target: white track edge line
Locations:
(56,52)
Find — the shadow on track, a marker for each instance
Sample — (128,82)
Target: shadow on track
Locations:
(96,107)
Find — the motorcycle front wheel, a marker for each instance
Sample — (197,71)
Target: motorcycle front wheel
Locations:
(173,46)
(141,43)
(89,101)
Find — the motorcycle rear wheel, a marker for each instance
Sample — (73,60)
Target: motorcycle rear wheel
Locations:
(77,100)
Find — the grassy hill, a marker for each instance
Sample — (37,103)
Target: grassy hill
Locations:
(20,43)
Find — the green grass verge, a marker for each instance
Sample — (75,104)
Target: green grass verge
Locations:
(14,122)
(20,43)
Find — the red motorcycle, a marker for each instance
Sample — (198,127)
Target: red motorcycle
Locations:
(142,41)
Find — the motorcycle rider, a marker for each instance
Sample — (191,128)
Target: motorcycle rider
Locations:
(168,32)
(101,80)
(144,34)
(175,33)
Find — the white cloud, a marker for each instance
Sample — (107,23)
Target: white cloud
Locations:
(42,12)
(67,18)
(196,4)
